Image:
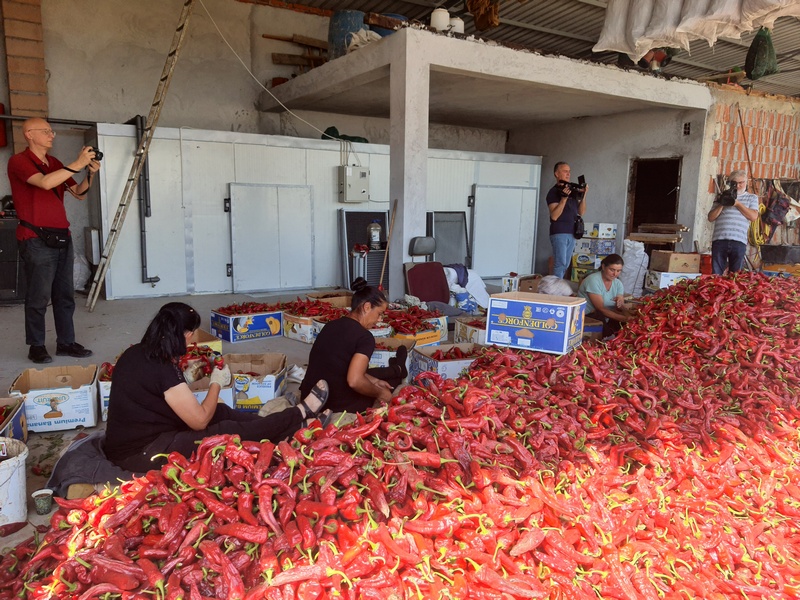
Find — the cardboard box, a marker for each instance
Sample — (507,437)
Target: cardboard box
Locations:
(104,391)
(674,262)
(243,328)
(380,357)
(464,333)
(251,392)
(579,273)
(329,296)
(587,245)
(783,269)
(656,280)
(529,284)
(203,338)
(428,337)
(248,392)
(586,261)
(540,322)
(302,329)
(605,231)
(592,329)
(422,360)
(58,398)
(15,425)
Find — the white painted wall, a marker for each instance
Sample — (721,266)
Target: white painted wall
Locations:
(189,234)
(602,149)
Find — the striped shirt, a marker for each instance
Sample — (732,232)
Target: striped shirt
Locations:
(732,224)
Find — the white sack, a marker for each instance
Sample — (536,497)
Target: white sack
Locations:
(639,13)
(664,21)
(635,268)
(612,37)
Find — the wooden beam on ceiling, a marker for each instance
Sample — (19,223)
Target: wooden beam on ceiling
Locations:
(308,10)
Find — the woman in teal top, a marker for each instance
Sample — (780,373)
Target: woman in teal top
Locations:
(604,295)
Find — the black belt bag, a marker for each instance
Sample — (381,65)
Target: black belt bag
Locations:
(52,237)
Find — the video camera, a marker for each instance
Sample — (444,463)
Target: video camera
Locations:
(727,197)
(576,190)
(97,154)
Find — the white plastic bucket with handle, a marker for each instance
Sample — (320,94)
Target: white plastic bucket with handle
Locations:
(13,499)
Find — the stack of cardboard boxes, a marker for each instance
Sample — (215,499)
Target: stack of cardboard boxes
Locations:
(599,241)
(669,268)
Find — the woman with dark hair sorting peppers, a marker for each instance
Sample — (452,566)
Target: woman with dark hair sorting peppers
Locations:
(341,354)
(152,411)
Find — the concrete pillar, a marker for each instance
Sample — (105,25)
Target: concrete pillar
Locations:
(409,82)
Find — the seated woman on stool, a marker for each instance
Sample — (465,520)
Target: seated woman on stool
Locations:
(604,295)
(341,354)
(152,411)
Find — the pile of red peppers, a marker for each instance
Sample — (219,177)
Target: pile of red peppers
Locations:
(661,465)
(456,353)
(247,308)
(411,320)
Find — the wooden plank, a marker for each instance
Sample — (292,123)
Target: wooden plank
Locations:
(308,41)
(661,228)
(382,21)
(655,238)
(297,60)
(298,39)
(307,10)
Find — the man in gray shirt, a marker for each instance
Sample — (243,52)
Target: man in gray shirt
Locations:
(731,223)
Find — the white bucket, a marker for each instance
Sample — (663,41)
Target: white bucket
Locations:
(13,499)
(456,25)
(440,19)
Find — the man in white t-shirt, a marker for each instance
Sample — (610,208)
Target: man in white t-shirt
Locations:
(731,223)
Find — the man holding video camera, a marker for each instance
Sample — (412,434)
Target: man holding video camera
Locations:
(39,182)
(565,201)
(732,212)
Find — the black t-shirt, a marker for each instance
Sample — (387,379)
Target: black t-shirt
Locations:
(137,410)
(330,359)
(566,222)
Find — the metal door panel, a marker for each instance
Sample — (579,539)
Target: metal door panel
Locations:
(207,169)
(296,237)
(271,237)
(503,230)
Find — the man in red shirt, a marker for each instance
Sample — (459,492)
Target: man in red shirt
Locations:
(38,182)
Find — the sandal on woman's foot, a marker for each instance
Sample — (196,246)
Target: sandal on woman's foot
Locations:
(317,397)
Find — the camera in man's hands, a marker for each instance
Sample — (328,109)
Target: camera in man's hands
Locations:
(727,197)
(97,154)
(576,190)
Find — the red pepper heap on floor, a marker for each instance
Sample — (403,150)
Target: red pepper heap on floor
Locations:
(662,464)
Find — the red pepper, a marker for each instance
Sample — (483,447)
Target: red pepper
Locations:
(230,575)
(249,533)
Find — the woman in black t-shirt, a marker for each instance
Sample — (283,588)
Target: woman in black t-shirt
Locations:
(152,411)
(341,354)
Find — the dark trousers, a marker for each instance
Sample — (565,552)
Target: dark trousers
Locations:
(610,326)
(387,374)
(48,274)
(727,254)
(249,426)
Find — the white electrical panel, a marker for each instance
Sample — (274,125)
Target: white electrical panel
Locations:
(353,184)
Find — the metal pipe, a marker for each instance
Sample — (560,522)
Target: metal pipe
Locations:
(143,187)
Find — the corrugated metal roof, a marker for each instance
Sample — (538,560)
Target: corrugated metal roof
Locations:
(572,27)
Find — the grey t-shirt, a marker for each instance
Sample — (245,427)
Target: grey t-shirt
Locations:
(732,224)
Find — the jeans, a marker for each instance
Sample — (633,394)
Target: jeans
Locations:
(563,246)
(727,254)
(48,273)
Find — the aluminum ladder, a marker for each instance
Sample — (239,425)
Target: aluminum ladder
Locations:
(141,154)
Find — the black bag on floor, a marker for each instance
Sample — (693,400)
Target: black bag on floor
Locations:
(580,228)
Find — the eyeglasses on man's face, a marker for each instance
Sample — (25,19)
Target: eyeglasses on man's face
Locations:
(46,131)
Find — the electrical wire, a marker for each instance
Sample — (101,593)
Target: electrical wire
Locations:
(346,145)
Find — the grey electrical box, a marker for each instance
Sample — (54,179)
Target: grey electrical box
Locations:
(353,184)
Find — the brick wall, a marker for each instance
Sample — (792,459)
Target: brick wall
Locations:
(771,128)
(27,83)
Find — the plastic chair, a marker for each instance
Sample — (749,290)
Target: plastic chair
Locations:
(426,280)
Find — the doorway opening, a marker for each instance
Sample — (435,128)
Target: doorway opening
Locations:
(653,190)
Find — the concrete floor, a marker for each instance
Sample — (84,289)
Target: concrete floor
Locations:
(108,331)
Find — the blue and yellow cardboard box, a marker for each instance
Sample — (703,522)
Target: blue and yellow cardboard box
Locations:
(15,425)
(243,328)
(552,324)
